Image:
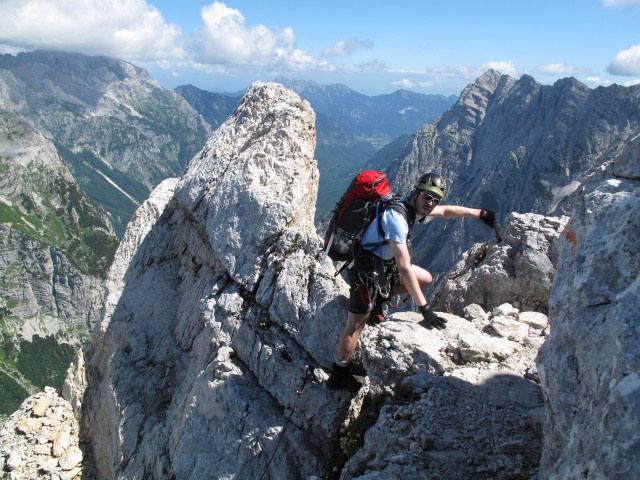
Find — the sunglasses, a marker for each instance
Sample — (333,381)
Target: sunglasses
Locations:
(429,199)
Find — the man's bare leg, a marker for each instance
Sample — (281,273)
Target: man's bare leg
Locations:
(424,279)
(349,338)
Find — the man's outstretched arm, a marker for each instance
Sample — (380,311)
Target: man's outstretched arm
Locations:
(456,211)
(409,278)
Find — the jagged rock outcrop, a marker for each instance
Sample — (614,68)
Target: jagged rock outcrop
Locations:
(518,269)
(224,311)
(212,358)
(513,146)
(590,364)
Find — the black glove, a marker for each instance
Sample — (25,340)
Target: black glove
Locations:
(431,319)
(488,217)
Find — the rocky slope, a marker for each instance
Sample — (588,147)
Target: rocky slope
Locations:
(589,366)
(222,320)
(116,129)
(211,358)
(55,247)
(41,440)
(513,146)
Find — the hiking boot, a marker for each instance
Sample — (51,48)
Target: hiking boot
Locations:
(342,379)
(357,370)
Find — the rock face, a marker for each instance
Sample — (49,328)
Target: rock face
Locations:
(118,131)
(223,313)
(55,247)
(514,146)
(222,320)
(520,267)
(590,365)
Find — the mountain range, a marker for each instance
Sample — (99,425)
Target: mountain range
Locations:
(513,146)
(117,130)
(350,127)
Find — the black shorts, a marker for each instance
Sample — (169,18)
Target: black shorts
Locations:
(359,301)
(358,295)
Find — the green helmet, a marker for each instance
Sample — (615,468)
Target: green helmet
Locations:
(432,182)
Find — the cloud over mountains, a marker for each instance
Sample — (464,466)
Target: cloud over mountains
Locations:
(129,29)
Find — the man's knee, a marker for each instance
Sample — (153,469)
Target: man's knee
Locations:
(424,277)
(355,321)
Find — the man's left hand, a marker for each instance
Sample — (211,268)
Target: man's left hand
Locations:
(488,217)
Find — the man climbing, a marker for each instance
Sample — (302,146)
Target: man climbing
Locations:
(382,268)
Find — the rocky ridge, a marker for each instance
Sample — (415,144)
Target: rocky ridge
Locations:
(213,359)
(117,130)
(513,146)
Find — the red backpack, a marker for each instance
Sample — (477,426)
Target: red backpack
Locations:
(353,213)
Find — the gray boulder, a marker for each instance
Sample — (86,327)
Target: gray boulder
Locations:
(519,269)
(590,364)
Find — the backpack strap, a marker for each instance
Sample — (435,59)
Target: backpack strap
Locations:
(404,209)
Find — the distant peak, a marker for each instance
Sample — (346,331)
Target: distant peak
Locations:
(570,82)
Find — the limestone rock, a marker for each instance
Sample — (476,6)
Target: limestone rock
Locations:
(461,427)
(589,365)
(29,447)
(509,328)
(505,310)
(520,268)
(536,320)
(474,312)
(220,315)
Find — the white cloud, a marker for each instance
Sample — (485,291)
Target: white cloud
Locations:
(226,40)
(613,3)
(595,80)
(560,68)
(343,48)
(632,82)
(507,68)
(459,71)
(427,84)
(128,29)
(626,62)
(374,65)
(404,83)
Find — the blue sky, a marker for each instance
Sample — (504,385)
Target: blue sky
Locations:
(373,47)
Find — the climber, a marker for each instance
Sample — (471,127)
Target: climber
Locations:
(386,270)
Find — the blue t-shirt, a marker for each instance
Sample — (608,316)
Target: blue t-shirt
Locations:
(395,228)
